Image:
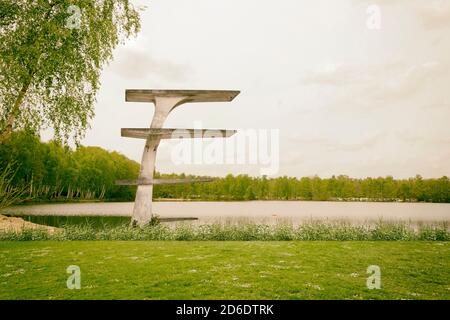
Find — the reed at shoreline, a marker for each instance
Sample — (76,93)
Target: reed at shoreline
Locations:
(308,231)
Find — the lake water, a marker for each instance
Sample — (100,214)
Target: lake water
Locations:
(255,211)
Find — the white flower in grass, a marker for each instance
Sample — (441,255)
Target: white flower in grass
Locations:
(314,286)
(414,294)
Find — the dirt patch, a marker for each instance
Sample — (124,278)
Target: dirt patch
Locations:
(18,224)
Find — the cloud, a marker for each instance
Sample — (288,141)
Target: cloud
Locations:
(432,14)
(398,73)
(334,145)
(382,84)
(412,138)
(435,14)
(335,75)
(133,63)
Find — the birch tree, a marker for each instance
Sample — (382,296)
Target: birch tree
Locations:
(51,56)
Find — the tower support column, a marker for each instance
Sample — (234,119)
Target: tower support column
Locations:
(142,211)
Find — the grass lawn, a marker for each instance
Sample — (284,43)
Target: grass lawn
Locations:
(224,270)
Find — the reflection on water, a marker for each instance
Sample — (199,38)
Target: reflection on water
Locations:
(92,221)
(251,211)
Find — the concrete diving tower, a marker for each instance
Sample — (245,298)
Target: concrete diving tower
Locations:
(165,101)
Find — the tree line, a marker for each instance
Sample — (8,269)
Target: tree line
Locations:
(52,171)
(337,188)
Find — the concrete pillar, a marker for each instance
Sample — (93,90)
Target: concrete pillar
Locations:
(142,211)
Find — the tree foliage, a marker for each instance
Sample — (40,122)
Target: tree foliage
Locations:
(53,171)
(51,56)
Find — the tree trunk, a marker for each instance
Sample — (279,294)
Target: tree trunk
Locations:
(6,134)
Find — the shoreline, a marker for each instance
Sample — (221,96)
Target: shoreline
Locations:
(62,201)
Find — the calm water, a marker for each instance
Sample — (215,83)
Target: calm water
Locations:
(256,211)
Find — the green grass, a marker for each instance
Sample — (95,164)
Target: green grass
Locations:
(224,270)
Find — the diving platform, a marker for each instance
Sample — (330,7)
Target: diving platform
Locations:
(139,95)
(142,133)
(150,182)
(165,101)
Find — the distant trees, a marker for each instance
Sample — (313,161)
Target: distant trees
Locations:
(53,171)
(342,188)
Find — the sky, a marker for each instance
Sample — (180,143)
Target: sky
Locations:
(354,87)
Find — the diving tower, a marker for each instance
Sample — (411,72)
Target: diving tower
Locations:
(165,101)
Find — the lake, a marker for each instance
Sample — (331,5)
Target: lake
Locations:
(254,211)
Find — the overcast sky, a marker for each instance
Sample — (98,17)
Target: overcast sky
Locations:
(347,99)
